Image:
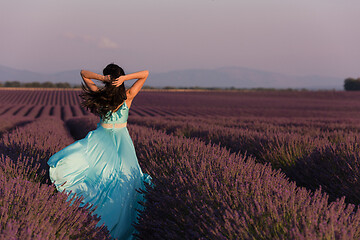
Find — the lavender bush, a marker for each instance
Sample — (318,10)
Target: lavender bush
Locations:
(335,167)
(34,211)
(29,147)
(9,123)
(80,126)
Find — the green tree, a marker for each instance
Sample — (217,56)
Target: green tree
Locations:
(12,84)
(47,85)
(62,85)
(352,84)
(32,85)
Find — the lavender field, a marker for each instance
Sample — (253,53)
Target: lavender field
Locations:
(226,165)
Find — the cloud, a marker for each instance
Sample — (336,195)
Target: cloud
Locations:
(107,43)
(101,42)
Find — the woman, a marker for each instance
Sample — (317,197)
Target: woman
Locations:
(103,167)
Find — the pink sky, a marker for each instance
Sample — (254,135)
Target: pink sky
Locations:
(295,37)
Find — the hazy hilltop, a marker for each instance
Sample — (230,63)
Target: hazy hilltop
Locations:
(225,77)
(24,76)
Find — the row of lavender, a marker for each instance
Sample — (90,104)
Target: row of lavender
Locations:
(40,97)
(66,104)
(65,112)
(40,111)
(205,192)
(314,152)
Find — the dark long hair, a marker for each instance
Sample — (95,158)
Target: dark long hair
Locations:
(107,98)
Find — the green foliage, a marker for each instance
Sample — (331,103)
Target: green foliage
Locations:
(12,84)
(148,87)
(352,84)
(62,85)
(47,85)
(32,85)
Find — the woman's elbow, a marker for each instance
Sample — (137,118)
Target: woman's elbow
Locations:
(146,73)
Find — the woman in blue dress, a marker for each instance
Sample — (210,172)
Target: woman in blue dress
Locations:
(103,167)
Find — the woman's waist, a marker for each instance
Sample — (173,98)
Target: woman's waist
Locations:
(113,124)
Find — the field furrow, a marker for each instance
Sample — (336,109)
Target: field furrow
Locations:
(226,165)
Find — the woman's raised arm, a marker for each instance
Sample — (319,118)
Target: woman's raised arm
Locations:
(135,88)
(88,75)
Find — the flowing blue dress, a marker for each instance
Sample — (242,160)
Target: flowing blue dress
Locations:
(103,168)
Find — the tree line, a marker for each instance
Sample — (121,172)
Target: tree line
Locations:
(350,84)
(37,84)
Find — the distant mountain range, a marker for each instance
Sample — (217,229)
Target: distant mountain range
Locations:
(225,77)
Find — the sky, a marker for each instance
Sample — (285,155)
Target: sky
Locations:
(286,36)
